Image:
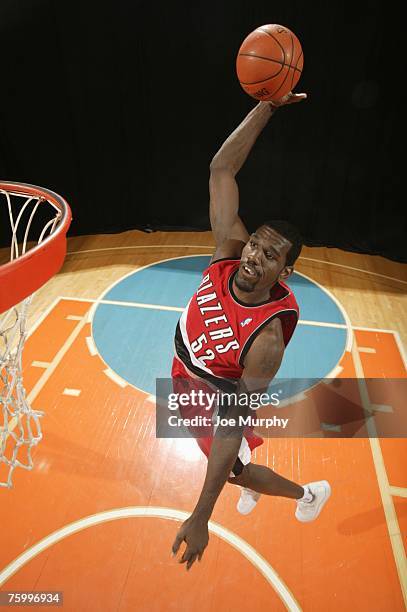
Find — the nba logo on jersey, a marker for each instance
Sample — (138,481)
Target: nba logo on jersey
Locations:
(246,322)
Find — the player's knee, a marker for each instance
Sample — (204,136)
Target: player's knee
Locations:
(242,478)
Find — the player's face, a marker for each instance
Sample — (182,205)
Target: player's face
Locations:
(263,260)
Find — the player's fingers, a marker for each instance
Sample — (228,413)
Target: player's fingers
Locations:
(177,543)
(186,556)
(191,561)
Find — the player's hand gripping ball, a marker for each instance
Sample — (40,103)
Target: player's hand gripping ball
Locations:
(269,63)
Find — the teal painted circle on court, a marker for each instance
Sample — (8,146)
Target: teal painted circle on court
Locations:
(137,342)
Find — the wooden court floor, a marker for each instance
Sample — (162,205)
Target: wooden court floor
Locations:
(97,515)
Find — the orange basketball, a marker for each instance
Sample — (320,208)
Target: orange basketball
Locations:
(269,62)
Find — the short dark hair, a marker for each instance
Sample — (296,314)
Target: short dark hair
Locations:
(291,233)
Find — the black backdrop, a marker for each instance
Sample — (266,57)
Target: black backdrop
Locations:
(120,105)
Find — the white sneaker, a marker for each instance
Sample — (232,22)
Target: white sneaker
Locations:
(248,500)
(308,511)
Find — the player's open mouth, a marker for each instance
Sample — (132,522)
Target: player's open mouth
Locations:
(249,271)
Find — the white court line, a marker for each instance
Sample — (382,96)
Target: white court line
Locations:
(77,299)
(43,316)
(53,365)
(91,346)
(398,491)
(333,374)
(349,338)
(373,329)
(55,362)
(203,246)
(387,331)
(250,553)
(74,318)
(100,300)
(393,526)
(366,349)
(91,314)
(115,378)
(400,347)
(322,324)
(381,408)
(179,309)
(141,305)
(301,321)
(332,263)
(146,246)
(131,273)
(212,247)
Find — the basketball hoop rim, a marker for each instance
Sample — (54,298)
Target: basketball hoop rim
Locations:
(25,274)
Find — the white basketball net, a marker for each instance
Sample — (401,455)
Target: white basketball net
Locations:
(20,428)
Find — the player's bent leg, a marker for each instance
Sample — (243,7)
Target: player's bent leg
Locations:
(248,498)
(263,480)
(257,479)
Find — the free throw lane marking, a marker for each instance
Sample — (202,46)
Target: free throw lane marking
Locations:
(52,366)
(72,392)
(40,364)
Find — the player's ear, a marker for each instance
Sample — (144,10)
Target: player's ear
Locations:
(286,272)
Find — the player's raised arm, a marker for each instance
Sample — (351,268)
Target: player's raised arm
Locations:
(224,193)
(261,364)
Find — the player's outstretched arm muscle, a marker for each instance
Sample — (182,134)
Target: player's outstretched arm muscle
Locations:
(261,364)
(223,209)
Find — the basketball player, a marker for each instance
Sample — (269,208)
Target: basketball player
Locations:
(236,326)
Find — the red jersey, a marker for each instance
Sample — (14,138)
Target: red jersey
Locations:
(216,330)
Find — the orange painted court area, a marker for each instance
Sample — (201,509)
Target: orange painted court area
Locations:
(100,453)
